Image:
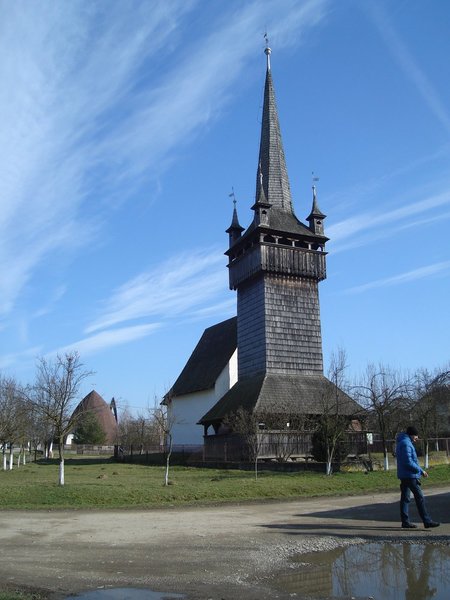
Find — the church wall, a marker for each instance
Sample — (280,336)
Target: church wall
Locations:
(186,411)
(227,378)
(251,331)
(279,327)
(293,332)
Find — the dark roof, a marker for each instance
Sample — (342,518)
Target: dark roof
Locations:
(271,163)
(283,223)
(94,403)
(272,181)
(280,393)
(209,358)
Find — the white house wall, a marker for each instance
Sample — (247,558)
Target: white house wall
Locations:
(187,410)
(226,379)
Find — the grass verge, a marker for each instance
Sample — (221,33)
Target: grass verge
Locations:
(99,483)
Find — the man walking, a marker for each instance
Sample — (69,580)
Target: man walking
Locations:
(409,472)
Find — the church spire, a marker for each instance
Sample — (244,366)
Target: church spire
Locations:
(271,162)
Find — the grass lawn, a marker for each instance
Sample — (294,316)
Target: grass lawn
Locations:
(100,483)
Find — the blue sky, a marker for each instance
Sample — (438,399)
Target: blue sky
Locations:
(125,126)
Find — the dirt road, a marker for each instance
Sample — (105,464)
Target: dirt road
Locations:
(206,553)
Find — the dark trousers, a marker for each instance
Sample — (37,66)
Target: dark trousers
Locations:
(406,487)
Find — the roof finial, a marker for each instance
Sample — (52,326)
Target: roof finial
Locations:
(314,179)
(233,195)
(267,50)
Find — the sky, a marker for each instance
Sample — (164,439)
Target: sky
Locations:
(125,127)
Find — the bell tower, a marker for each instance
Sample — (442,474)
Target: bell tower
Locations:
(275,266)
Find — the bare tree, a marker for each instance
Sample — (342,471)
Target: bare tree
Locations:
(336,414)
(12,415)
(54,394)
(429,391)
(246,425)
(384,393)
(164,420)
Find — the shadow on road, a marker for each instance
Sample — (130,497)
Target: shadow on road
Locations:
(363,518)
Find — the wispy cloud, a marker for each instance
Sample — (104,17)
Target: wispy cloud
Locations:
(407,62)
(79,118)
(402,278)
(369,226)
(20,358)
(184,283)
(106,339)
(60,80)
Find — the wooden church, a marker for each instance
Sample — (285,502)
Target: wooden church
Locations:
(269,357)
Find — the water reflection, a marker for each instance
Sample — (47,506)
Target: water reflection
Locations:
(125,594)
(380,570)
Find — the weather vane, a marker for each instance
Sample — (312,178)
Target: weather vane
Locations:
(233,195)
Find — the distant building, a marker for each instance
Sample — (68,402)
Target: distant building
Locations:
(275,265)
(94,404)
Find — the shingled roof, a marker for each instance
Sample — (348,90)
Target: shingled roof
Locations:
(209,358)
(279,393)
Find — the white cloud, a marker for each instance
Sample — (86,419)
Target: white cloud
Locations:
(109,338)
(402,278)
(76,119)
(373,225)
(183,283)
(407,62)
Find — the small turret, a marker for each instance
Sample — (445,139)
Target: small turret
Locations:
(261,206)
(234,230)
(316,216)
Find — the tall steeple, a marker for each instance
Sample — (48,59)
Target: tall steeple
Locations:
(271,162)
(276,266)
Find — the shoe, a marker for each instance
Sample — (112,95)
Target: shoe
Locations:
(411,526)
(431,524)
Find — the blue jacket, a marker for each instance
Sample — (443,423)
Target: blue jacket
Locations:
(407,464)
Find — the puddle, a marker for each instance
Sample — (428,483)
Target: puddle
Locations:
(125,594)
(382,571)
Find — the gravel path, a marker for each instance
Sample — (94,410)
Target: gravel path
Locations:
(217,553)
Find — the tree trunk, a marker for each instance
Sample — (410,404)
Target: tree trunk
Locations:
(11,457)
(426,453)
(61,472)
(386,458)
(169,452)
(61,461)
(4,458)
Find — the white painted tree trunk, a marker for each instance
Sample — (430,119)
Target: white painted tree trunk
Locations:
(18,459)
(11,458)
(61,472)
(386,461)
(50,450)
(427,456)
(5,462)
(24,458)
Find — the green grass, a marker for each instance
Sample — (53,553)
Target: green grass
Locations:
(18,595)
(98,483)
